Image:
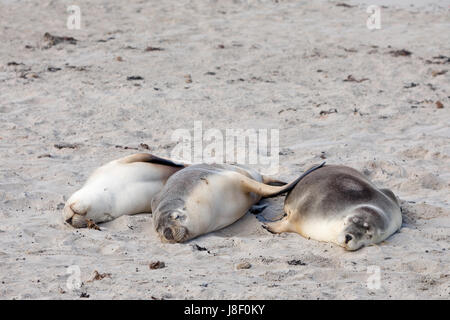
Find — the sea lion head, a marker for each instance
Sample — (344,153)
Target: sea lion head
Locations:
(170,222)
(363,227)
(88,204)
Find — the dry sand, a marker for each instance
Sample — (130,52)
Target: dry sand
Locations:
(276,64)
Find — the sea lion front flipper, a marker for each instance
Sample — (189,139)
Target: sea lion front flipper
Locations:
(150,158)
(280,226)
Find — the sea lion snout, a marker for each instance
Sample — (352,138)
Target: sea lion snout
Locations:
(357,233)
(168,226)
(348,238)
(349,241)
(168,234)
(78,221)
(75,219)
(173,234)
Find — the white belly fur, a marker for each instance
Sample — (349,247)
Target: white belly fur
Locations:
(322,230)
(217,204)
(116,189)
(329,230)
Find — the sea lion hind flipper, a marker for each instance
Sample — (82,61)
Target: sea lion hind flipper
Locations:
(268,191)
(273,181)
(150,158)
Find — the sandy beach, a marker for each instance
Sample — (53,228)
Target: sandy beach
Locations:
(136,71)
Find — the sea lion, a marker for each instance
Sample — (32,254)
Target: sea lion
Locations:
(206,197)
(340,205)
(122,186)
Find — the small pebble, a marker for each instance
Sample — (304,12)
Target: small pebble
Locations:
(243,265)
(188,78)
(157,265)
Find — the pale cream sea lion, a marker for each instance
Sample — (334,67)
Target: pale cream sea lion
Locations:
(122,186)
(203,198)
(340,205)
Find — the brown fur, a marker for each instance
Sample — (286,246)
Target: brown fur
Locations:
(150,158)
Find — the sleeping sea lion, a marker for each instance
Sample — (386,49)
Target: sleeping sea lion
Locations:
(340,205)
(123,186)
(206,197)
